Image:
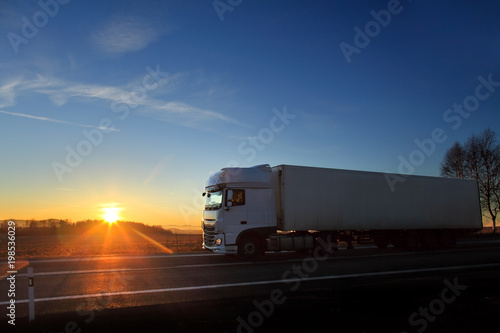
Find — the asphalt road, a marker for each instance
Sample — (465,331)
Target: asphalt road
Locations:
(364,290)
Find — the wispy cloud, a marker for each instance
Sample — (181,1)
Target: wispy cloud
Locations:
(60,91)
(29,116)
(124,34)
(170,111)
(184,114)
(7,93)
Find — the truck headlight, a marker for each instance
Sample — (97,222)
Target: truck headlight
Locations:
(218,241)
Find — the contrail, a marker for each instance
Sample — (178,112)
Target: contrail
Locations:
(29,116)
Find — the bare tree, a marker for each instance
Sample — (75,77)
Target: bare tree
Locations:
(473,157)
(479,159)
(489,177)
(453,165)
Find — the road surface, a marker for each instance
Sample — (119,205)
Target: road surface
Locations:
(365,290)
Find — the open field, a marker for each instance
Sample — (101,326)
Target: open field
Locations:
(111,243)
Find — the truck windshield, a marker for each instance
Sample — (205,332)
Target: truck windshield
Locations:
(213,200)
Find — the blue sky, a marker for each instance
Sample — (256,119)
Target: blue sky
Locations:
(148,98)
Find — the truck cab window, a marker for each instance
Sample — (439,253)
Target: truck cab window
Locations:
(213,200)
(238,197)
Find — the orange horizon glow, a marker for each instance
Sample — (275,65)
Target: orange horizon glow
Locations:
(176,211)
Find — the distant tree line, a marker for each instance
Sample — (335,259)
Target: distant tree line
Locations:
(478,158)
(59,226)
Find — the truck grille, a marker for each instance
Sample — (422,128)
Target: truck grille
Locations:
(209,234)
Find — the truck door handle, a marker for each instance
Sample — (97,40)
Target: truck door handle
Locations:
(243,222)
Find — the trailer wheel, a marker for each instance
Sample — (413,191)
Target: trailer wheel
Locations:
(249,247)
(447,239)
(430,240)
(399,241)
(412,240)
(380,240)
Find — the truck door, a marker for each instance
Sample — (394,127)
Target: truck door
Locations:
(236,214)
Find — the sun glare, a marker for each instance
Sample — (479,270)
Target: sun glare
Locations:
(111,214)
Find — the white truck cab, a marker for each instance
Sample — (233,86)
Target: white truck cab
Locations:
(240,210)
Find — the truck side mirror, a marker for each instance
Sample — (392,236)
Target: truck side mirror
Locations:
(229,199)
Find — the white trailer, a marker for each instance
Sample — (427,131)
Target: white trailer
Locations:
(250,210)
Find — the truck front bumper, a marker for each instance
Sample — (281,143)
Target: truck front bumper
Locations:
(218,245)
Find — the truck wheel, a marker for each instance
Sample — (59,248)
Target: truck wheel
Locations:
(249,247)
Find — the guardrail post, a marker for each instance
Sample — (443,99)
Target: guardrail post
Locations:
(31,295)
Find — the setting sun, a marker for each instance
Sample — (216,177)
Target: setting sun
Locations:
(111,214)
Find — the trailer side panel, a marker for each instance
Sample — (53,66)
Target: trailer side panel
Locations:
(331,199)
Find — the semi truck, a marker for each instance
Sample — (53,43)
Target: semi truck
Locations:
(249,211)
